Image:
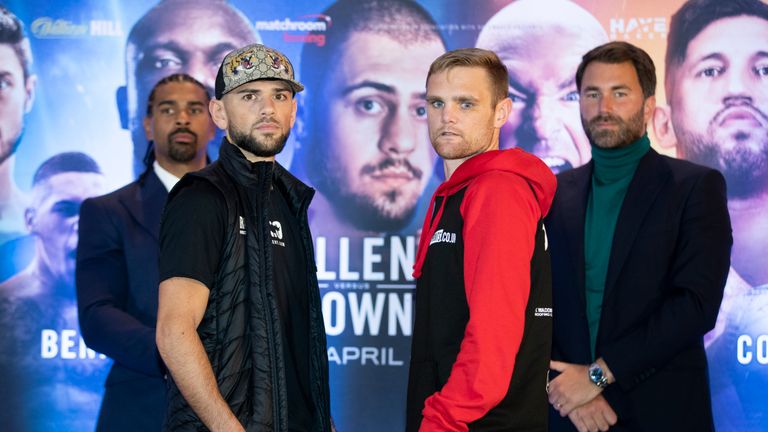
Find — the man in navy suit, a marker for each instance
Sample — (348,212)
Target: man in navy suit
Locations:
(117,259)
(640,247)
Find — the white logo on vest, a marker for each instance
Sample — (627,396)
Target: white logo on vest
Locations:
(277,233)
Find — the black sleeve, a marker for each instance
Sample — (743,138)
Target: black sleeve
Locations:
(696,278)
(192,232)
(102,276)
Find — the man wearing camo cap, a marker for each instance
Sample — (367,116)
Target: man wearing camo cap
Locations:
(239,321)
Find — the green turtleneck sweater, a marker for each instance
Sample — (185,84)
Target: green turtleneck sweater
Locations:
(613,171)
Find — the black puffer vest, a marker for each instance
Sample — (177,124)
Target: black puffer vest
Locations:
(241,329)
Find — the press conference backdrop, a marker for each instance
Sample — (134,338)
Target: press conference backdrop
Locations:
(365,234)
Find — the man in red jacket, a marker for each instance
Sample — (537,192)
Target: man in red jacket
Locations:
(482,334)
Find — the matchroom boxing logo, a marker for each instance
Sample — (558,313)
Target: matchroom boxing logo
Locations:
(311,28)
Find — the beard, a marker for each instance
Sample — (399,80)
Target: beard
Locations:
(380,210)
(182,152)
(739,153)
(628,132)
(267,147)
(388,211)
(744,166)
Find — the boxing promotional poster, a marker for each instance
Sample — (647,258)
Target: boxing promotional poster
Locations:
(73,95)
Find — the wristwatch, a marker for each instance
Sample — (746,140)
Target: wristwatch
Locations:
(597,376)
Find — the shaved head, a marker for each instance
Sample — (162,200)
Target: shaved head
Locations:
(176,36)
(524,20)
(542,51)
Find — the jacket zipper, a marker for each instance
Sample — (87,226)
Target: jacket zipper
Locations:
(263,182)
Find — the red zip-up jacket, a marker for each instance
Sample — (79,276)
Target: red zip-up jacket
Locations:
(482,333)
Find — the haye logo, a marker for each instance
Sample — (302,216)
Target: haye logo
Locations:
(637,28)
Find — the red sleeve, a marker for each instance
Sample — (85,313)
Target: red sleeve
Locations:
(500,216)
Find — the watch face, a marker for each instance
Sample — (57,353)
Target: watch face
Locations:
(595,373)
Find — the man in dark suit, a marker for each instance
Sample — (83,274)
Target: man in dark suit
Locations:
(117,259)
(640,246)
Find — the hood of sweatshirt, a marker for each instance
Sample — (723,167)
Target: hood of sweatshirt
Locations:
(516,161)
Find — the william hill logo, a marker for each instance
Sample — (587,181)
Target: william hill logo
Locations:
(50,28)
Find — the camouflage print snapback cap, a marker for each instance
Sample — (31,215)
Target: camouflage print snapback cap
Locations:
(251,63)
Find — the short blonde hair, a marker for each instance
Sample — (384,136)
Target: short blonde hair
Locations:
(476,57)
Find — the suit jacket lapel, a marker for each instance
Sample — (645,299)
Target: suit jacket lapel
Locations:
(650,176)
(575,200)
(147,204)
